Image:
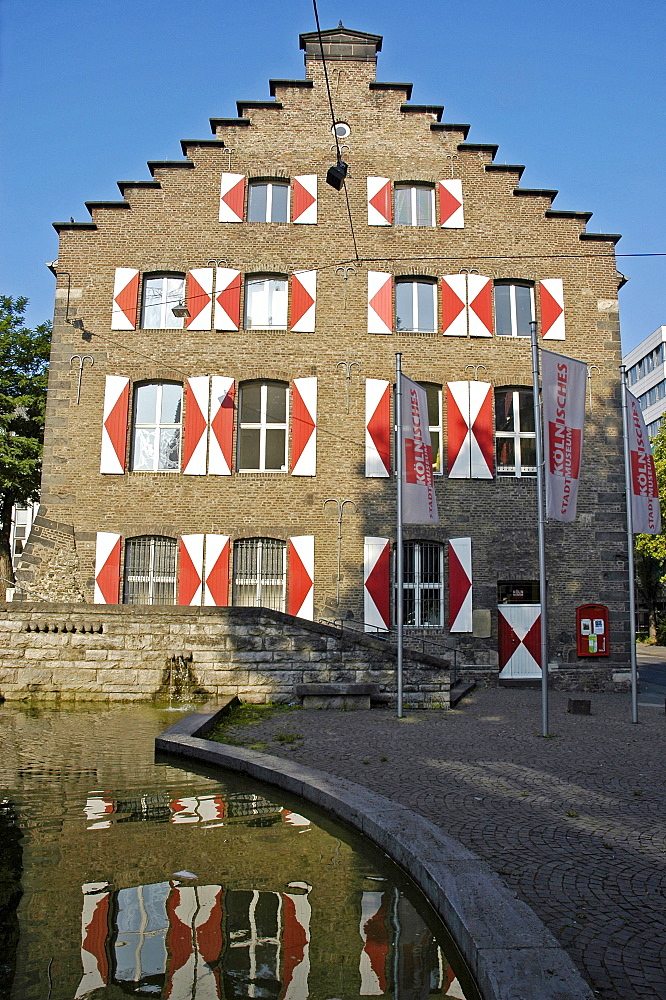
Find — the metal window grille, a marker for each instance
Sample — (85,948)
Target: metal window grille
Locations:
(150,570)
(260,573)
(423,591)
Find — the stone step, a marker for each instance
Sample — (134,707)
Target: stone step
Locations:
(329,695)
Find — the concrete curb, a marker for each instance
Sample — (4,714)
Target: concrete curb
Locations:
(510,953)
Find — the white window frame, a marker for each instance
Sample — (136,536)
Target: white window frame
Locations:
(413,188)
(157,427)
(269,293)
(519,470)
(169,297)
(258,579)
(149,574)
(414,283)
(513,307)
(269,185)
(418,587)
(263,425)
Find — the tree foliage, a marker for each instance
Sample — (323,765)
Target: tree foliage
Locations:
(24,355)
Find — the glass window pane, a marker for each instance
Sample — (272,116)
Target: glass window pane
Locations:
(250,404)
(256,203)
(169,457)
(424,206)
(275,449)
(144,449)
(277,318)
(506,459)
(280,200)
(430,607)
(433,395)
(145,404)
(503,311)
(408,563)
(256,304)
(526,409)
(404,318)
(426,306)
(436,453)
(403,206)
(172,396)
(276,404)
(523,310)
(528,453)
(504,411)
(248,448)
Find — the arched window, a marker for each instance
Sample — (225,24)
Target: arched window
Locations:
(260,573)
(266,302)
(161,292)
(414,205)
(514,309)
(416,305)
(150,570)
(268,201)
(262,427)
(515,438)
(423,587)
(156,427)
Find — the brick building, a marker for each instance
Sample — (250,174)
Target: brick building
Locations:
(243,354)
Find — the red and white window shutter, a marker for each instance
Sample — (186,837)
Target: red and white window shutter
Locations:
(551,300)
(479,305)
(125,299)
(222,409)
(304,199)
(227,298)
(454,305)
(375,919)
(114,425)
(304,427)
(107,568)
(232,198)
(377,428)
(300,600)
(380,302)
(195,437)
(303,301)
(451,212)
(199,298)
(216,571)
(460,584)
(190,569)
(470,430)
(376,583)
(380,207)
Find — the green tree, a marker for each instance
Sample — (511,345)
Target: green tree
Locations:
(650,550)
(24,356)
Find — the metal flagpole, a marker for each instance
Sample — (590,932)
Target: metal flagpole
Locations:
(399,570)
(538,428)
(630,547)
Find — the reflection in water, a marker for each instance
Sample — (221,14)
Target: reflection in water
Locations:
(121,895)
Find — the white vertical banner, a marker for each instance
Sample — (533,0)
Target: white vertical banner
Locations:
(645,509)
(418,485)
(563,385)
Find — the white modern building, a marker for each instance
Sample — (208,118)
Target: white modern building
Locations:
(646,377)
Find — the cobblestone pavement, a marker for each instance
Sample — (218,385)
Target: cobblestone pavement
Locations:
(574,824)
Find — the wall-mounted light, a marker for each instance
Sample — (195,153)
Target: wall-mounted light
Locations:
(335,175)
(181,311)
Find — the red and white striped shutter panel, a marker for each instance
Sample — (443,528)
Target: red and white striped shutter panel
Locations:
(380,208)
(304,427)
(460,584)
(551,300)
(519,640)
(458,435)
(296,914)
(220,446)
(303,301)
(300,601)
(199,298)
(374,934)
(482,450)
(94,933)
(107,568)
(114,425)
(304,199)
(479,305)
(454,305)
(376,584)
(232,198)
(380,302)
(451,212)
(195,437)
(216,571)
(377,428)
(227,298)
(190,569)
(125,299)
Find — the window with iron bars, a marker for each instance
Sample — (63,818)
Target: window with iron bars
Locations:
(150,570)
(260,573)
(423,584)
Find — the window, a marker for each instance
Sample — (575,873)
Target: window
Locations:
(515,440)
(647,364)
(654,428)
(653,395)
(414,205)
(518,592)
(514,310)
(156,428)
(266,304)
(415,305)
(423,592)
(260,573)
(262,437)
(434,397)
(160,294)
(150,570)
(268,201)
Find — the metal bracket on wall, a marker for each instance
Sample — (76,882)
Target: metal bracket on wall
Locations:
(590,369)
(451,157)
(345,270)
(348,367)
(475,369)
(340,504)
(81,358)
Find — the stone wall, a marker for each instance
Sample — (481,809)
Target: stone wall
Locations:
(87,652)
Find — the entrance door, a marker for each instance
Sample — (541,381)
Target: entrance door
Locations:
(519,639)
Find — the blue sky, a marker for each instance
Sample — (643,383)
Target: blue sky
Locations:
(574,90)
